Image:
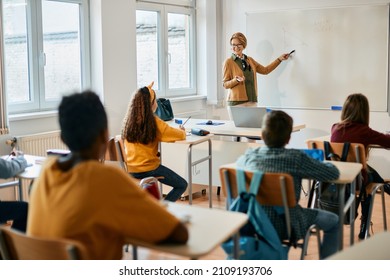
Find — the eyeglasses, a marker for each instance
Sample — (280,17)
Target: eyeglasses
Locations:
(236,46)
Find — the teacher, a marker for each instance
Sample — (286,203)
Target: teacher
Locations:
(239,73)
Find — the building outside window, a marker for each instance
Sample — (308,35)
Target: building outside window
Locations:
(46,52)
(166,48)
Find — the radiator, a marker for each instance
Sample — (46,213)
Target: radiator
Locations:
(38,144)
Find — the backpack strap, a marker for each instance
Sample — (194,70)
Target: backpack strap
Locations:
(345,151)
(329,155)
(327,150)
(255,182)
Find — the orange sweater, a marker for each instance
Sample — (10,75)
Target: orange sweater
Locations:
(98,205)
(237,91)
(141,157)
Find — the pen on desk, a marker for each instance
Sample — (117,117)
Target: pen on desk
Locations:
(186,120)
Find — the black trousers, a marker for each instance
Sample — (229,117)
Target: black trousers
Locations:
(15,211)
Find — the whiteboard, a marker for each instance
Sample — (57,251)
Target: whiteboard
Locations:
(338,51)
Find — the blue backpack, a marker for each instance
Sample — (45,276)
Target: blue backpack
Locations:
(258,238)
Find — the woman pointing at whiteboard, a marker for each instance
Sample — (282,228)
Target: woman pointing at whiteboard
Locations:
(239,73)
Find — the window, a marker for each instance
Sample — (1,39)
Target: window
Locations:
(166,48)
(45,52)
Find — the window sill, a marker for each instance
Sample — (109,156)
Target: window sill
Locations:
(30,116)
(187,98)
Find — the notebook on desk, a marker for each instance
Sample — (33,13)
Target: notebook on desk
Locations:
(248,116)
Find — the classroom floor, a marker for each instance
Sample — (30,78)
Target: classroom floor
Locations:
(201,200)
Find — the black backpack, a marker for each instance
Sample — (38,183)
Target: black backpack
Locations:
(328,198)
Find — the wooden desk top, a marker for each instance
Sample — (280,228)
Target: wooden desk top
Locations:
(208,228)
(374,248)
(348,170)
(34,169)
(327,138)
(195,139)
(226,128)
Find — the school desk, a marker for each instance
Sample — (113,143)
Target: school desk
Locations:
(374,248)
(348,173)
(208,229)
(30,173)
(224,150)
(191,141)
(225,127)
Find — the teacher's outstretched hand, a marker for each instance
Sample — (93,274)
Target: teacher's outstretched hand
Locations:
(284,56)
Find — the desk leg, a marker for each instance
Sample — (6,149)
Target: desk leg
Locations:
(135,252)
(341,215)
(191,164)
(344,207)
(189,167)
(210,175)
(352,212)
(236,246)
(20,189)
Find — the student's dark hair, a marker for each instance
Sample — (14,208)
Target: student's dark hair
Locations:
(82,118)
(139,124)
(356,109)
(277,128)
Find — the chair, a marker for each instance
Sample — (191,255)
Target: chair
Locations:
(15,245)
(357,153)
(9,184)
(116,151)
(276,189)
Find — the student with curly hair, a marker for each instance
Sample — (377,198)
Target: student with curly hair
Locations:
(142,131)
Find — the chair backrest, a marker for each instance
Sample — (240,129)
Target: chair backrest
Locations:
(271,188)
(116,151)
(276,189)
(15,245)
(356,152)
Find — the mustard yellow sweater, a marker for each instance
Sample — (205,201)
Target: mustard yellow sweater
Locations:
(237,91)
(141,157)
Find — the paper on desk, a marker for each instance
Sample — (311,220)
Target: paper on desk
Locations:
(183,217)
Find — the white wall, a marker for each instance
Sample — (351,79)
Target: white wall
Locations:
(113,66)
(114,61)
(113,56)
(318,123)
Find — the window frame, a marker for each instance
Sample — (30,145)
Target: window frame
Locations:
(162,11)
(35,41)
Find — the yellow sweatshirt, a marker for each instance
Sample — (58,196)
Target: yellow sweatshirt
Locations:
(141,157)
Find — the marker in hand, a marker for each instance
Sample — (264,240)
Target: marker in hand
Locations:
(287,55)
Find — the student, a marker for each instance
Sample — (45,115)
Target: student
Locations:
(78,197)
(15,211)
(354,128)
(274,157)
(142,131)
